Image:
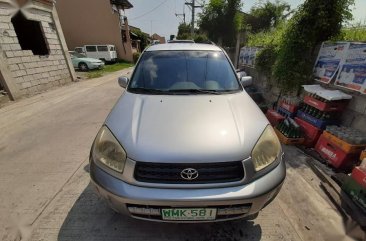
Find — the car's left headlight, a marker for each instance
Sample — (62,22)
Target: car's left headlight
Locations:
(266,150)
(108,151)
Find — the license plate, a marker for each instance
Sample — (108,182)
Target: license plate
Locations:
(187,214)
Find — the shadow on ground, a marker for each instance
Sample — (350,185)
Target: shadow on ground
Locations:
(91,219)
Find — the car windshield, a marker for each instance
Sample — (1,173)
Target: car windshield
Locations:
(184,72)
(78,55)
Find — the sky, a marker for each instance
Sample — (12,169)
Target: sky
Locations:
(158,16)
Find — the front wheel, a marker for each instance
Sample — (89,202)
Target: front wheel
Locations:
(83,67)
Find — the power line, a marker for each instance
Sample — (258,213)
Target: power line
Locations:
(142,15)
(193,7)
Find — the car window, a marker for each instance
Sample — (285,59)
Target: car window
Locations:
(78,55)
(111,48)
(102,48)
(174,71)
(91,48)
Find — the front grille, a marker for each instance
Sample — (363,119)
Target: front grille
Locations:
(170,173)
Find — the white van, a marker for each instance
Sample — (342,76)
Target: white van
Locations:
(106,52)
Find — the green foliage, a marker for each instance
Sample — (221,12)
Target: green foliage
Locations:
(266,16)
(200,38)
(353,33)
(143,36)
(135,56)
(108,69)
(220,19)
(315,21)
(265,60)
(184,31)
(271,37)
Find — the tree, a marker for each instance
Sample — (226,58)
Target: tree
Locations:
(267,15)
(184,31)
(315,21)
(220,20)
(143,37)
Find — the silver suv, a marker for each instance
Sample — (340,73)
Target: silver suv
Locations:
(185,142)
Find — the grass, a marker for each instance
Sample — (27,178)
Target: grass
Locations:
(108,69)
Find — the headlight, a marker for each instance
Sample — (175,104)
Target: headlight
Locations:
(266,150)
(107,150)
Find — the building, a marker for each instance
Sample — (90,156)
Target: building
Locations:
(96,22)
(33,51)
(156,36)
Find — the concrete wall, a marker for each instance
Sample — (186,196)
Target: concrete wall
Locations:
(354,116)
(27,73)
(92,22)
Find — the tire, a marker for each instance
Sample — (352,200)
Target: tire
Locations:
(83,67)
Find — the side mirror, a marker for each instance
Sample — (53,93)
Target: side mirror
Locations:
(246,81)
(123,81)
(240,73)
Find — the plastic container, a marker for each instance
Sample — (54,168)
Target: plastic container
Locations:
(285,112)
(346,147)
(334,155)
(321,124)
(274,117)
(359,175)
(288,141)
(312,133)
(329,106)
(289,107)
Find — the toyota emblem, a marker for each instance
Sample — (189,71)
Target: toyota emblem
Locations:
(189,174)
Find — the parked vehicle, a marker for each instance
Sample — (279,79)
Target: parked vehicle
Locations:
(81,62)
(106,53)
(185,142)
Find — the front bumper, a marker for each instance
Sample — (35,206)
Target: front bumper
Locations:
(96,66)
(250,197)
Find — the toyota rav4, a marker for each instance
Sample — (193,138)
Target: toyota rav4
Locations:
(185,142)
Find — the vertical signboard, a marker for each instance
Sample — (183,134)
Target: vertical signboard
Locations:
(329,60)
(352,72)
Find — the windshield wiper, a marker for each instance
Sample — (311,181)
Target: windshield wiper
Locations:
(196,91)
(148,91)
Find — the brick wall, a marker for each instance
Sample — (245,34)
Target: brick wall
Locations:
(33,73)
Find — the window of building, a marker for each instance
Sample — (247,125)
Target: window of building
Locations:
(91,48)
(102,48)
(30,34)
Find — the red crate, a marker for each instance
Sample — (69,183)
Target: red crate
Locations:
(274,117)
(311,132)
(289,107)
(330,106)
(334,155)
(359,176)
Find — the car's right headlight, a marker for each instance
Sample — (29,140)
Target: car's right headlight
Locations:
(266,150)
(108,151)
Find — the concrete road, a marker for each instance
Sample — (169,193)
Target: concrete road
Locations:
(45,192)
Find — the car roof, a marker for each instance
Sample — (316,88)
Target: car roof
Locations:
(183,46)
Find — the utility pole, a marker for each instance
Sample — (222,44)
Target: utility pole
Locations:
(193,7)
(181,14)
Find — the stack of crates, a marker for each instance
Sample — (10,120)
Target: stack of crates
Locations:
(356,185)
(316,113)
(341,146)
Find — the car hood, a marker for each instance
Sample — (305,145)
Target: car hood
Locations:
(186,128)
(89,60)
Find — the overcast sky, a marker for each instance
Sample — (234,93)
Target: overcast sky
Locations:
(158,16)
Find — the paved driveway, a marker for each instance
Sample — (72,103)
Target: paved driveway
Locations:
(45,192)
